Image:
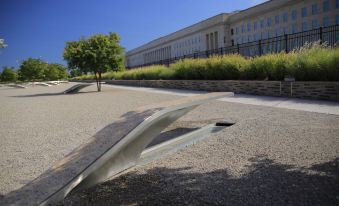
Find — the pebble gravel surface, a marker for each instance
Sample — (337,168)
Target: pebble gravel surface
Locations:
(270,156)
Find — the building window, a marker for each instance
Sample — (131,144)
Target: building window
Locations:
(294,28)
(304,12)
(232,32)
(314,9)
(294,15)
(286,30)
(315,24)
(285,17)
(243,39)
(216,40)
(269,34)
(248,26)
(249,38)
(211,41)
(242,28)
(326,5)
(277,32)
(261,24)
(337,4)
(326,21)
(337,19)
(256,37)
(304,25)
(276,19)
(237,30)
(232,42)
(263,35)
(269,22)
(207,42)
(255,26)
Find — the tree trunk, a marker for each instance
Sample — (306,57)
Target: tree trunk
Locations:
(97,81)
(99,87)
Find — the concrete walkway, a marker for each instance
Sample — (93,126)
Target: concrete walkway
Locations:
(319,106)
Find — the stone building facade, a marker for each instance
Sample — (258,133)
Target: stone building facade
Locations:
(267,20)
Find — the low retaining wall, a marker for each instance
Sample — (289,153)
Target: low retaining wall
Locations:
(308,90)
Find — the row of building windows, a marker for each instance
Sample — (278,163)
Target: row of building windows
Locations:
(305,26)
(158,54)
(284,18)
(188,42)
(212,41)
(277,46)
(187,51)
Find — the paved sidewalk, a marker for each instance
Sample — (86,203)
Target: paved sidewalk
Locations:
(319,106)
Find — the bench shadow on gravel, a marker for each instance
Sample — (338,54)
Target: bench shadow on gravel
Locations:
(265,183)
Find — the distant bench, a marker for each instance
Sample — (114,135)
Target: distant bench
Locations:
(16,86)
(112,150)
(76,88)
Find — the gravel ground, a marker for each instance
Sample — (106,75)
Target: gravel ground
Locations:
(269,157)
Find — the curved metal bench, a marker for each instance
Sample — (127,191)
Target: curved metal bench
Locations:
(42,84)
(52,83)
(112,150)
(17,86)
(76,88)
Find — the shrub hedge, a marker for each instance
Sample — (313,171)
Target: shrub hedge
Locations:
(315,63)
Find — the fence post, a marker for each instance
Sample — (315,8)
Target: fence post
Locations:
(321,34)
(238,49)
(260,49)
(286,43)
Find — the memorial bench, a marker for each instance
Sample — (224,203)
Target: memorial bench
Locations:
(41,84)
(112,150)
(76,88)
(17,86)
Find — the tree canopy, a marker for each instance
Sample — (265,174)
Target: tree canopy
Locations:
(97,54)
(8,75)
(55,71)
(2,43)
(32,69)
(36,69)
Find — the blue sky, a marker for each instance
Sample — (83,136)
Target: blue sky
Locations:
(40,28)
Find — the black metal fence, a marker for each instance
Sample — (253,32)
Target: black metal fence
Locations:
(286,43)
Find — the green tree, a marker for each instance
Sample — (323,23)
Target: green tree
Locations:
(97,54)
(62,71)
(2,44)
(55,72)
(32,69)
(75,73)
(8,75)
